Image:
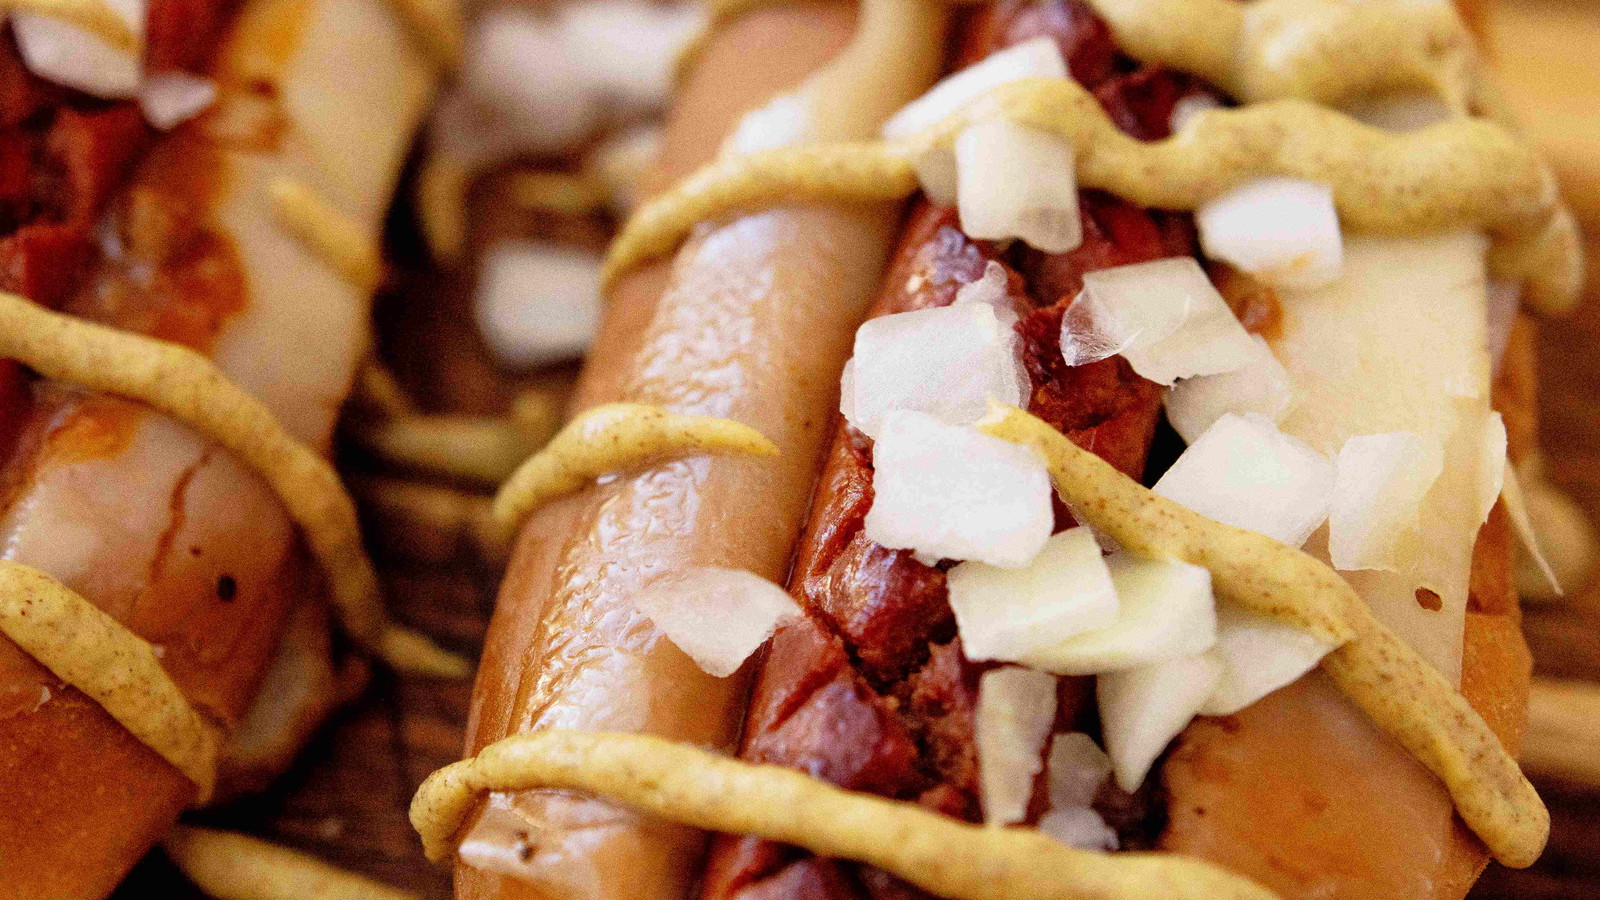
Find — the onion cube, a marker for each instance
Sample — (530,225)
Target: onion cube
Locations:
(1284,230)
(1258,656)
(536,303)
(1164,316)
(59,51)
(1260,386)
(1378,486)
(521,76)
(955,493)
(627,49)
(1005,613)
(1016,708)
(948,362)
(1143,709)
(1036,58)
(1076,769)
(1080,827)
(1165,609)
(1013,181)
(172,98)
(1246,473)
(718,617)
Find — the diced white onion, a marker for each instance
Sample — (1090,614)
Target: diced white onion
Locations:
(1379,483)
(948,362)
(1037,58)
(783,121)
(1016,708)
(1284,230)
(1246,473)
(172,98)
(1522,523)
(1400,112)
(1165,610)
(1164,316)
(537,303)
(66,54)
(956,493)
(1505,297)
(523,88)
(1260,386)
(993,289)
(627,49)
(1184,111)
(718,617)
(1075,770)
(1079,827)
(1006,613)
(1143,709)
(1492,466)
(1258,656)
(1013,181)
(936,170)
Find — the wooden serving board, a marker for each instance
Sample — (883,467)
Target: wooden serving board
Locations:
(347,799)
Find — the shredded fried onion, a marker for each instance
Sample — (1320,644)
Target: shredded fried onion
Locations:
(438,26)
(615,437)
(330,234)
(1380,673)
(707,790)
(93,16)
(188,387)
(1460,173)
(232,866)
(111,665)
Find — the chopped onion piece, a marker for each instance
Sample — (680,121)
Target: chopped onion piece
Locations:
(955,493)
(948,362)
(1164,316)
(1016,708)
(1165,610)
(61,52)
(718,617)
(1013,181)
(627,49)
(1080,827)
(993,288)
(1505,297)
(537,303)
(1076,769)
(1038,58)
(1522,523)
(1400,112)
(1246,473)
(1006,613)
(1258,656)
(1284,230)
(525,88)
(1184,111)
(1143,709)
(1379,483)
(1492,466)
(172,98)
(1260,386)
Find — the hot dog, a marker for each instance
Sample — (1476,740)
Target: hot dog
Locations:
(871,688)
(152,522)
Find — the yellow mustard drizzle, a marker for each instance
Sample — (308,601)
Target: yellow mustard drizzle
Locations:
(111,665)
(94,16)
(1464,172)
(611,438)
(229,865)
(696,787)
(333,236)
(188,387)
(1391,683)
(1314,50)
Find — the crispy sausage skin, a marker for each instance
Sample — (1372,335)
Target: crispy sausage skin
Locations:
(751,321)
(151,522)
(871,691)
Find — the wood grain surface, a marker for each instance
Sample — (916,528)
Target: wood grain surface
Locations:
(347,798)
